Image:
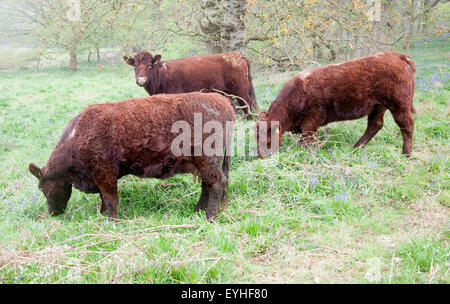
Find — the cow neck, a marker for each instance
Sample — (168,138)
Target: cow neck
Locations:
(279,111)
(155,83)
(59,162)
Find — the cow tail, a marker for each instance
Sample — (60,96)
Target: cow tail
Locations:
(409,61)
(412,68)
(251,90)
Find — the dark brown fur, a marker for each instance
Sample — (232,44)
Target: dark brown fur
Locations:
(346,91)
(227,72)
(108,141)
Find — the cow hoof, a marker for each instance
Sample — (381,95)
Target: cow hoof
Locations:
(212,218)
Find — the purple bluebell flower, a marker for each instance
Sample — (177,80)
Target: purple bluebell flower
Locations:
(314,181)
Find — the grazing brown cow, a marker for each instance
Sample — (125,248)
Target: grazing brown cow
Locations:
(346,91)
(134,136)
(227,72)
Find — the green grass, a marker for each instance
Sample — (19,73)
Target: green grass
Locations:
(325,215)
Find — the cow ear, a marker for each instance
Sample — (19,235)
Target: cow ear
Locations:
(156,59)
(35,170)
(262,115)
(128,60)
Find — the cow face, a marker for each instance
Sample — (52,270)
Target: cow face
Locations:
(268,136)
(143,63)
(57,191)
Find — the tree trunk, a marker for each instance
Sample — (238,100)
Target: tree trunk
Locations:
(426,17)
(387,24)
(409,25)
(98,53)
(344,35)
(233,34)
(157,13)
(73,61)
(317,47)
(332,50)
(211,24)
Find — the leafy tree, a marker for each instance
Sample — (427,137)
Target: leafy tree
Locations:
(73,25)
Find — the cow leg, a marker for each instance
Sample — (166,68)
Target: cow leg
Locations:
(215,182)
(226,169)
(203,201)
(111,199)
(308,134)
(374,124)
(108,193)
(405,121)
(216,191)
(103,207)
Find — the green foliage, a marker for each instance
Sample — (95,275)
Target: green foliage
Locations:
(312,215)
(422,254)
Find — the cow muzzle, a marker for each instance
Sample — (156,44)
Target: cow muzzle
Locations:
(141,80)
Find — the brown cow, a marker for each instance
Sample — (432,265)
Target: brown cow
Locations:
(134,136)
(227,72)
(346,91)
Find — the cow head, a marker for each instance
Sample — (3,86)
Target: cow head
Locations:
(268,135)
(143,63)
(56,190)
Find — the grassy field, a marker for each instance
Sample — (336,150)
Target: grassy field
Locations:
(330,214)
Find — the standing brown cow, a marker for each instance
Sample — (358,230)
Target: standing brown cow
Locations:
(134,136)
(227,72)
(346,91)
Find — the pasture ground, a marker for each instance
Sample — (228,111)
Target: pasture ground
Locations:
(330,214)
